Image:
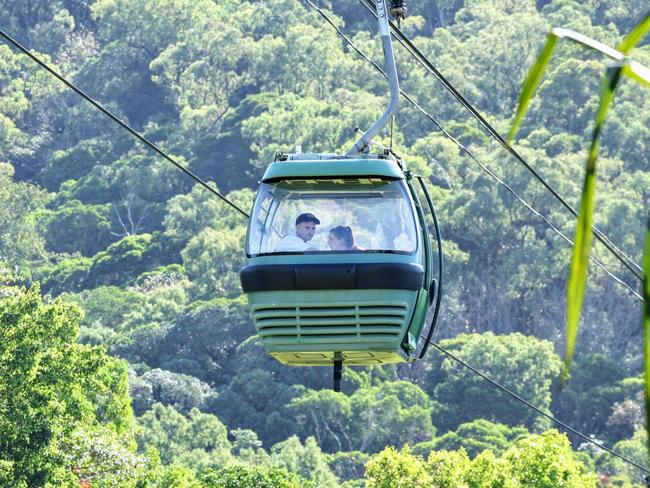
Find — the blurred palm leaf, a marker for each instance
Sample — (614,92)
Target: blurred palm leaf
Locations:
(531,83)
(646,322)
(637,72)
(582,240)
(536,72)
(636,35)
(623,67)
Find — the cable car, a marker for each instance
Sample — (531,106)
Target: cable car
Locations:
(339,259)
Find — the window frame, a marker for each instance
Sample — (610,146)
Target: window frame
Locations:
(267,228)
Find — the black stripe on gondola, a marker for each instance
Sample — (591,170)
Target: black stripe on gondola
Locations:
(276,277)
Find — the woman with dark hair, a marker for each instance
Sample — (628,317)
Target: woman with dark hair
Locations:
(341,239)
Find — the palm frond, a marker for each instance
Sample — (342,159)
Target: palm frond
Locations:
(531,83)
(636,35)
(646,324)
(582,240)
(536,72)
(637,72)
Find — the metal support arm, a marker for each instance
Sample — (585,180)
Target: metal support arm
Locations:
(362,145)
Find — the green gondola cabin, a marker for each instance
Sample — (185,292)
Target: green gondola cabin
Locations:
(362,306)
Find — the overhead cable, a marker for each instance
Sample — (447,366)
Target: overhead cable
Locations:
(540,411)
(115,119)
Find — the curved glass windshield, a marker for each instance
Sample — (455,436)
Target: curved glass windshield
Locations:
(333,215)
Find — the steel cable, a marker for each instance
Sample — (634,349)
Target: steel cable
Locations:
(117,120)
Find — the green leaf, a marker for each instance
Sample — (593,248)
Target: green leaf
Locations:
(635,36)
(536,72)
(582,240)
(646,323)
(531,83)
(637,72)
(587,41)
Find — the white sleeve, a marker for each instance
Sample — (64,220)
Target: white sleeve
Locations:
(292,243)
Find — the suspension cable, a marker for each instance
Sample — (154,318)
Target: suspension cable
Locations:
(115,119)
(540,411)
(628,262)
(469,153)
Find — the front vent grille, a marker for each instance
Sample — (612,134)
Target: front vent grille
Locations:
(334,323)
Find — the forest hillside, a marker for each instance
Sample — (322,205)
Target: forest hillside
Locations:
(128,356)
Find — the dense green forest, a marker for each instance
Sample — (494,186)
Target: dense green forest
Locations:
(127,353)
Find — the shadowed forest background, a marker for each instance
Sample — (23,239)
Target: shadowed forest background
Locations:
(123,328)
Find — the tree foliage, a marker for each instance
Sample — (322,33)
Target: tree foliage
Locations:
(392,413)
(52,391)
(544,460)
(462,397)
(153,259)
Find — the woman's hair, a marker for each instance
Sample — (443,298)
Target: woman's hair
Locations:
(344,233)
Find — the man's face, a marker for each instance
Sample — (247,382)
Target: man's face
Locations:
(305,230)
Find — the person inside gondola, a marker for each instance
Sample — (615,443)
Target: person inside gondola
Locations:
(342,239)
(299,241)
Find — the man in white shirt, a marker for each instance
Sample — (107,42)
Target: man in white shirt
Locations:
(305,227)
